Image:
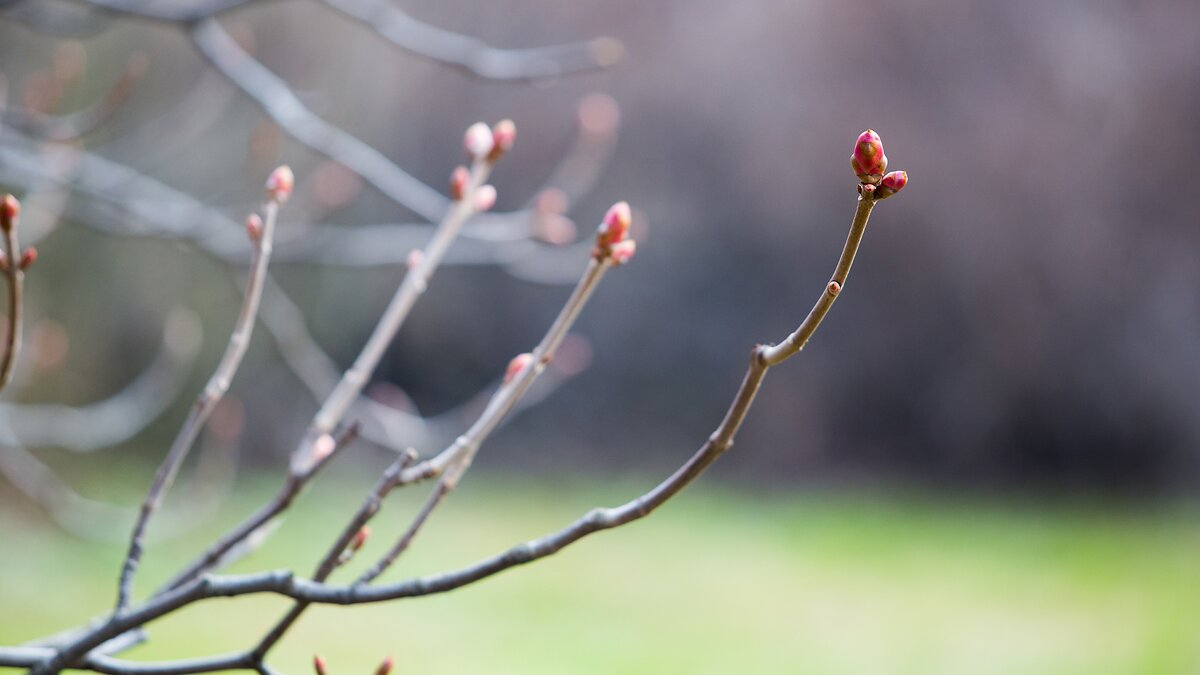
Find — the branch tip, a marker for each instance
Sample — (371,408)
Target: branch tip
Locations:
(478,141)
(280,184)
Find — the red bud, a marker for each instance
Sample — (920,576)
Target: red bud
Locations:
(10,210)
(385,667)
(615,227)
(868,160)
(892,183)
(28,258)
(319,664)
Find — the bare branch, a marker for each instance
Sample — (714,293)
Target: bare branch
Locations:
(281,105)
(261,234)
(472,55)
(284,583)
(170,11)
(13,262)
(454,461)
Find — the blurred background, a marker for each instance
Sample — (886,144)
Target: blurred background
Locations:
(985,460)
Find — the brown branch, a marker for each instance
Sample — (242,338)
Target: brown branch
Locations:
(75,651)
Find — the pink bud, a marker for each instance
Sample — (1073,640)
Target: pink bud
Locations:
(323,447)
(868,160)
(385,667)
(485,198)
(478,140)
(519,363)
(10,210)
(319,664)
(254,227)
(615,226)
(623,251)
(892,183)
(415,257)
(28,258)
(280,184)
(458,182)
(504,134)
(360,538)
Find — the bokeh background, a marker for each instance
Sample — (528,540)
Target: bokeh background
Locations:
(985,461)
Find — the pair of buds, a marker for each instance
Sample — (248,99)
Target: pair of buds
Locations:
(10,211)
(869,164)
(483,144)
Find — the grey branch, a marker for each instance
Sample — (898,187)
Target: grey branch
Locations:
(281,105)
(207,401)
(472,55)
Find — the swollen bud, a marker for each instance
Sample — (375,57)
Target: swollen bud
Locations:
(10,210)
(254,227)
(615,226)
(891,184)
(360,538)
(319,665)
(385,667)
(280,184)
(28,258)
(622,252)
(519,363)
(504,134)
(478,140)
(458,182)
(485,198)
(323,447)
(868,160)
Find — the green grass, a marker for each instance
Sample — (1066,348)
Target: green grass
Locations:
(718,582)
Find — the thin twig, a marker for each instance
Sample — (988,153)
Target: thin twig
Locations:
(415,282)
(206,402)
(11,266)
(333,556)
(459,455)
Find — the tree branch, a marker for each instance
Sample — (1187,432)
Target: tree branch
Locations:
(217,385)
(12,266)
(472,55)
